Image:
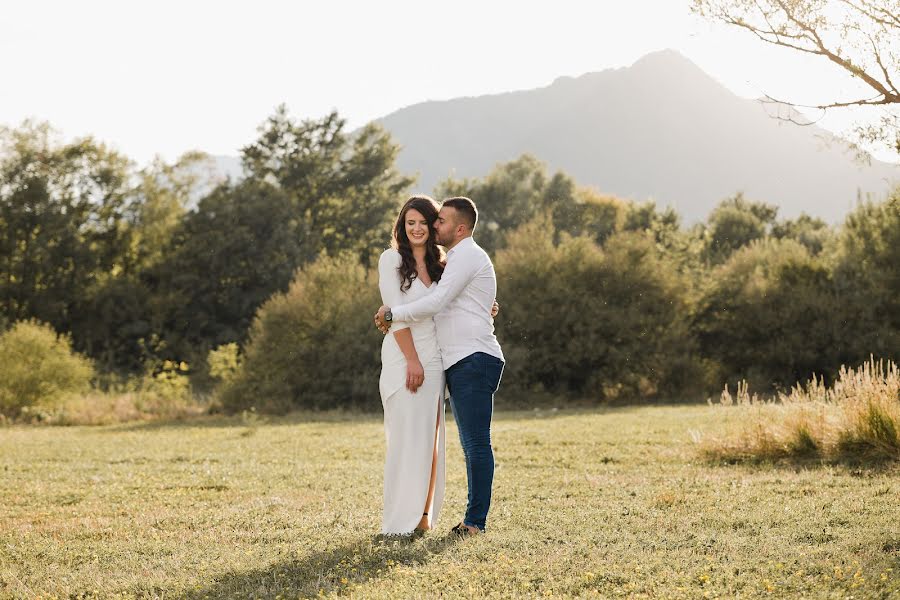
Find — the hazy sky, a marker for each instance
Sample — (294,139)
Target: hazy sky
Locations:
(164,77)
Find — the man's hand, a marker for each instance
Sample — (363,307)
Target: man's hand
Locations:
(380,323)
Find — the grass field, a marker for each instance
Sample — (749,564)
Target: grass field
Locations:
(615,503)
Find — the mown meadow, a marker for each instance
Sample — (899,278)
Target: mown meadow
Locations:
(608,502)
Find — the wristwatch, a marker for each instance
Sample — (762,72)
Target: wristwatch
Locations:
(388,316)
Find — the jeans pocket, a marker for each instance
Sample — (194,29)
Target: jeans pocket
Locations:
(492,368)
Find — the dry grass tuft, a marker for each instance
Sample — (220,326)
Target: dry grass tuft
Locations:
(98,408)
(858,418)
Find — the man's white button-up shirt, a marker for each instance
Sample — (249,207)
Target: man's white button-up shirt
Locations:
(460,304)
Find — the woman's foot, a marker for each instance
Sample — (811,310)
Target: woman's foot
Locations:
(423,523)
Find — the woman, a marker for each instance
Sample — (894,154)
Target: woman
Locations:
(412,377)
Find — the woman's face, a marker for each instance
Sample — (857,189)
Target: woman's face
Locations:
(416,228)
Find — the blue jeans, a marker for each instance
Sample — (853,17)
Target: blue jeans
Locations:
(472,382)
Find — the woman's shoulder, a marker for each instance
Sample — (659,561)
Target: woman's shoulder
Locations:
(389,258)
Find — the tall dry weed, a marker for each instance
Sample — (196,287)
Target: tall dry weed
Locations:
(857,418)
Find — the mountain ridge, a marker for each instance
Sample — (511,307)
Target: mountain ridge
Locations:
(661,129)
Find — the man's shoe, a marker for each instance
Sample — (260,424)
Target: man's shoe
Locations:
(462,531)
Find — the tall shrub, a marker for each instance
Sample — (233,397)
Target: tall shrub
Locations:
(38,367)
(601,322)
(767,315)
(314,346)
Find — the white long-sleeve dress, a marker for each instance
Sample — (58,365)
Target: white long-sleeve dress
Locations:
(413,422)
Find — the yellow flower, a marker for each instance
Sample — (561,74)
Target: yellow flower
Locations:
(344,580)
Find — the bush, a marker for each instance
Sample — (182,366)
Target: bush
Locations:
(767,315)
(314,346)
(601,322)
(223,362)
(38,367)
(867,282)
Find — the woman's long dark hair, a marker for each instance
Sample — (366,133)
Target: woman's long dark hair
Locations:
(434,256)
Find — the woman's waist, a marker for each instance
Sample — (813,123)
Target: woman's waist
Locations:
(426,346)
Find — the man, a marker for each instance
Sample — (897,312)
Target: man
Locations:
(472,359)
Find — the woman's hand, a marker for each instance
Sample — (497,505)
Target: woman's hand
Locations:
(415,375)
(495,309)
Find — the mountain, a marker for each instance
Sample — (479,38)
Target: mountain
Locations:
(661,129)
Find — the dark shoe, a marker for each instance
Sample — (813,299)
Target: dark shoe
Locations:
(461,531)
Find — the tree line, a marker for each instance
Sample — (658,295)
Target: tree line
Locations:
(601,297)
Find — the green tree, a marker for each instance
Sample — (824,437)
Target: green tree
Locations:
(63,223)
(767,315)
(121,316)
(867,279)
(812,232)
(228,256)
(343,188)
(604,322)
(311,190)
(733,224)
(314,346)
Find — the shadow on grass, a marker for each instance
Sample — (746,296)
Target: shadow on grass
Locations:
(335,569)
(856,464)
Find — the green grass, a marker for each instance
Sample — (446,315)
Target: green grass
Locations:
(611,502)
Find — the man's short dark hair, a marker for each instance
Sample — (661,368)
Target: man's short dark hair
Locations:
(466,208)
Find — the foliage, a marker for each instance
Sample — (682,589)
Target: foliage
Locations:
(767,314)
(603,323)
(38,367)
(867,280)
(342,189)
(62,223)
(314,346)
(224,362)
(733,224)
(227,257)
(812,232)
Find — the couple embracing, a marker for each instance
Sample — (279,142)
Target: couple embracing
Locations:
(437,314)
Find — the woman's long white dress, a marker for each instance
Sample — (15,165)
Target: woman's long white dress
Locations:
(413,422)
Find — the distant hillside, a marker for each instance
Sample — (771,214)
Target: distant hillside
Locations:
(661,129)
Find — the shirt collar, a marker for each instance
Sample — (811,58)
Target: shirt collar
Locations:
(468,241)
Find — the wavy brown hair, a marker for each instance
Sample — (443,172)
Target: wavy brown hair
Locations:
(434,256)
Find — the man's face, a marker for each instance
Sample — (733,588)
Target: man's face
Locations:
(445,226)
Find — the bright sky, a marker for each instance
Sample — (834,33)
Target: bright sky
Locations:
(165,77)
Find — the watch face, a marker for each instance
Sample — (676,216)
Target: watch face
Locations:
(388,315)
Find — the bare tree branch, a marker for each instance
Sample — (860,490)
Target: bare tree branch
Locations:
(888,18)
(859,36)
(877,54)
